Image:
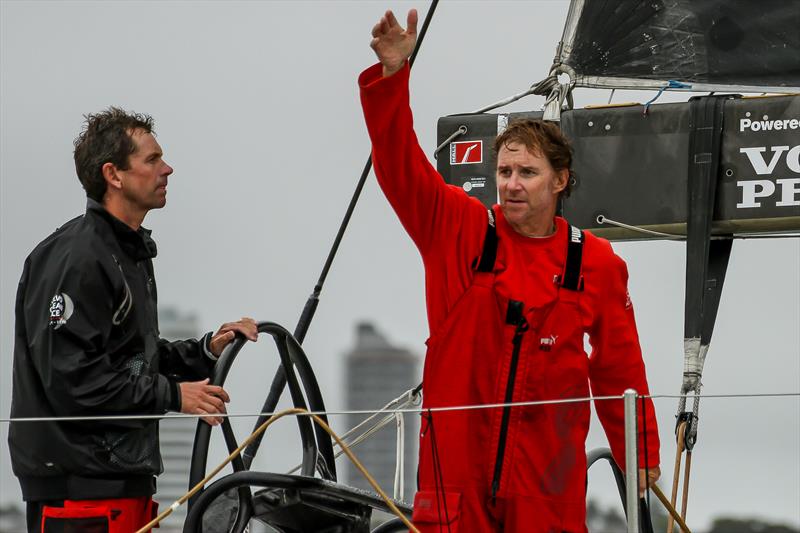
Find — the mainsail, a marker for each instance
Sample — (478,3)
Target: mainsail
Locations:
(699,45)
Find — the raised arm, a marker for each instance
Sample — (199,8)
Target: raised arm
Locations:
(432,212)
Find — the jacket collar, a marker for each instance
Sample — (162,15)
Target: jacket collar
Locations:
(136,243)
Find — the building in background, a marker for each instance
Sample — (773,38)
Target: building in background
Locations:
(176,434)
(375,373)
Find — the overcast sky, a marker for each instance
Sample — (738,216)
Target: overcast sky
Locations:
(256,107)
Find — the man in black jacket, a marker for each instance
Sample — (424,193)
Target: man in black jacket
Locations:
(87,344)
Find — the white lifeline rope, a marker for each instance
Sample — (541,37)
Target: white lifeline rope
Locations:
(406,410)
(317,413)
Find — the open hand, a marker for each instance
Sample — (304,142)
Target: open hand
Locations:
(200,398)
(227,332)
(392,44)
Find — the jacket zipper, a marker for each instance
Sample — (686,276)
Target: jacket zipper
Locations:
(522,327)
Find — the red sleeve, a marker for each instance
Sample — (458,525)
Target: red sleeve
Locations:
(616,362)
(431,211)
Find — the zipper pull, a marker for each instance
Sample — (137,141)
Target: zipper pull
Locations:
(515,314)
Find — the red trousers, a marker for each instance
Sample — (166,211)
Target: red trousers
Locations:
(118,515)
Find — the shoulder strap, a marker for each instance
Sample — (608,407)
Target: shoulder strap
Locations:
(486,261)
(571,279)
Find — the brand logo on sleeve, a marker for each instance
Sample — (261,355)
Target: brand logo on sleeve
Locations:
(466,152)
(61,308)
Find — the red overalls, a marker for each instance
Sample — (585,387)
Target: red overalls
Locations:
(539,482)
(520,469)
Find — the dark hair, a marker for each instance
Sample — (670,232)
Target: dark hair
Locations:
(540,138)
(106,138)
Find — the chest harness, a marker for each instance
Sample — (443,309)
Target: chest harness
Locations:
(571,277)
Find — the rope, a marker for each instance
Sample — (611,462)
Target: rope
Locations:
(741,395)
(542,88)
(258,431)
(462,129)
(602,219)
(415,410)
(412,398)
(676,473)
(685,496)
(438,476)
(671,84)
(673,514)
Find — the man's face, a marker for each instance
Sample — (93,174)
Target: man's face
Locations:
(144,183)
(528,187)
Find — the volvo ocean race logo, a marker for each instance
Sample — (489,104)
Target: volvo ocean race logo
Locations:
(61,308)
(788,189)
(781,190)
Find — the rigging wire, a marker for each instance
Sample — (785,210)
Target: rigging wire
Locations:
(409,397)
(362,180)
(307,315)
(542,88)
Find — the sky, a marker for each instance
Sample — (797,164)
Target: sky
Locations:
(256,107)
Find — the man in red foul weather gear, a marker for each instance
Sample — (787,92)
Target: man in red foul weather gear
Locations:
(511,293)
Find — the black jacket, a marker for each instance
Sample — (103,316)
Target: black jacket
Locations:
(86,344)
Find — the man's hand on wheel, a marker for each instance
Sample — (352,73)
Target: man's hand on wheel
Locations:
(200,398)
(227,332)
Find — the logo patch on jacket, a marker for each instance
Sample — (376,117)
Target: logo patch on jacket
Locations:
(61,308)
(546,343)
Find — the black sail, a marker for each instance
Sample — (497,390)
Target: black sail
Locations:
(728,43)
